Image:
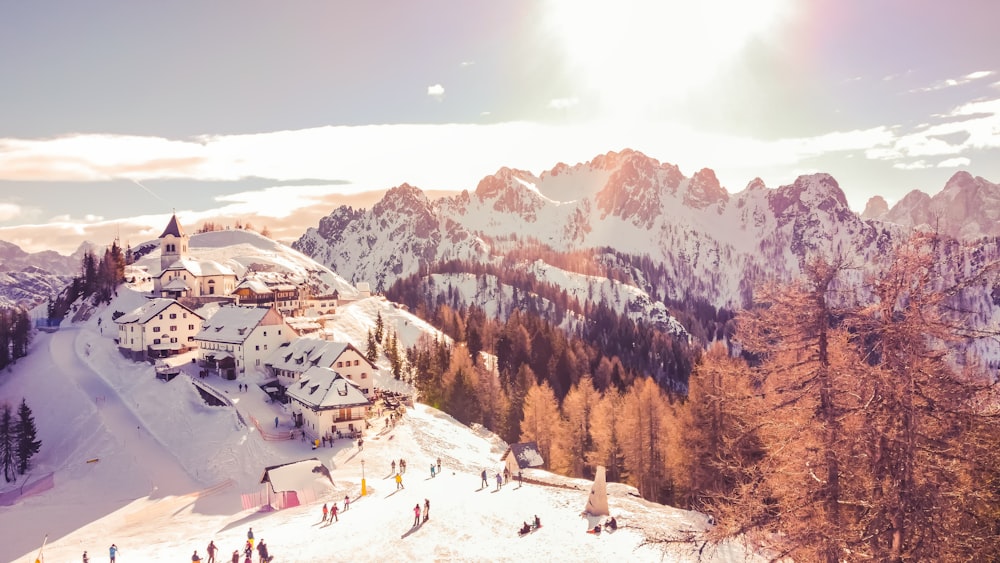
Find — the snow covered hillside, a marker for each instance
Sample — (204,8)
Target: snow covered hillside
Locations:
(147,465)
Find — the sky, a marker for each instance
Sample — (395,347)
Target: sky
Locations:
(148,466)
(113,114)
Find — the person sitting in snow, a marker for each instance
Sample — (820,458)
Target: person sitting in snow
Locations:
(538,523)
(195,556)
(611,523)
(525,529)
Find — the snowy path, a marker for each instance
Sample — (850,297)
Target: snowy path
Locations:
(149,458)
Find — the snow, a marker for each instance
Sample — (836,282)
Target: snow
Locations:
(147,465)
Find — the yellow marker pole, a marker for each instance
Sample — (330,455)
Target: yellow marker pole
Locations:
(364,490)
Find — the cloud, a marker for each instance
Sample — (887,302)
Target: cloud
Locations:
(435,91)
(954,162)
(9,211)
(952,82)
(918,165)
(563,103)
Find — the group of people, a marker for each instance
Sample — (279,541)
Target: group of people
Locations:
(500,479)
(416,512)
(330,513)
(535,524)
(610,524)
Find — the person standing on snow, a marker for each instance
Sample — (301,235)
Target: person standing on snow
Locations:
(112,552)
(333,513)
(85,558)
(485,482)
(439,465)
(250,538)
(347,502)
(427,509)
(499,481)
(325,512)
(432,471)
(393,466)
(399,482)
(416,514)
(262,551)
(211,551)
(236,556)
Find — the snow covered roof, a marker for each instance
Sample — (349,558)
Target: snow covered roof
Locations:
(149,310)
(177,284)
(254,285)
(526,454)
(231,324)
(321,388)
(200,268)
(302,353)
(295,476)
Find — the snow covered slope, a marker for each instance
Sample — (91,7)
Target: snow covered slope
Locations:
(147,465)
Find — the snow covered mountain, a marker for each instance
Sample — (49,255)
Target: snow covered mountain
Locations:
(710,244)
(27,279)
(678,239)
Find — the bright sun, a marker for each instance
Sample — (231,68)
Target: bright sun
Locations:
(637,55)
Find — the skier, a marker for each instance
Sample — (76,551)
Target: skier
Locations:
(499,481)
(250,538)
(211,551)
(399,482)
(416,514)
(325,511)
(195,557)
(485,482)
(347,502)
(112,552)
(427,509)
(393,466)
(333,513)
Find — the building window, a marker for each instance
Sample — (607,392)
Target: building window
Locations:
(356,362)
(156,341)
(265,347)
(364,375)
(161,317)
(190,327)
(173,328)
(257,348)
(156,329)
(265,333)
(340,364)
(173,315)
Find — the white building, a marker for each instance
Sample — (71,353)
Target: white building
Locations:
(240,337)
(158,328)
(328,403)
(181,276)
(289,361)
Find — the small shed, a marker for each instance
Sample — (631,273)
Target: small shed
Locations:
(522,456)
(291,483)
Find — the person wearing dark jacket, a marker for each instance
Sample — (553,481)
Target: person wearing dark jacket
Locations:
(262,551)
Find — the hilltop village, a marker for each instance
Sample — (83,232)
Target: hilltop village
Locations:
(266,321)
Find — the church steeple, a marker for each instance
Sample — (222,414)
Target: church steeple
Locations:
(173,243)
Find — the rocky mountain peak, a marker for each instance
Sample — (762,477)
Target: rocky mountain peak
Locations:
(875,208)
(704,190)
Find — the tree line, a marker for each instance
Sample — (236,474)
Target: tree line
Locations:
(98,278)
(15,335)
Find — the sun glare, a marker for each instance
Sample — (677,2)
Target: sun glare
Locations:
(637,56)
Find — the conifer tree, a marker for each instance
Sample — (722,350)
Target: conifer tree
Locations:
(27,444)
(542,423)
(371,352)
(645,439)
(608,435)
(7,442)
(579,412)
